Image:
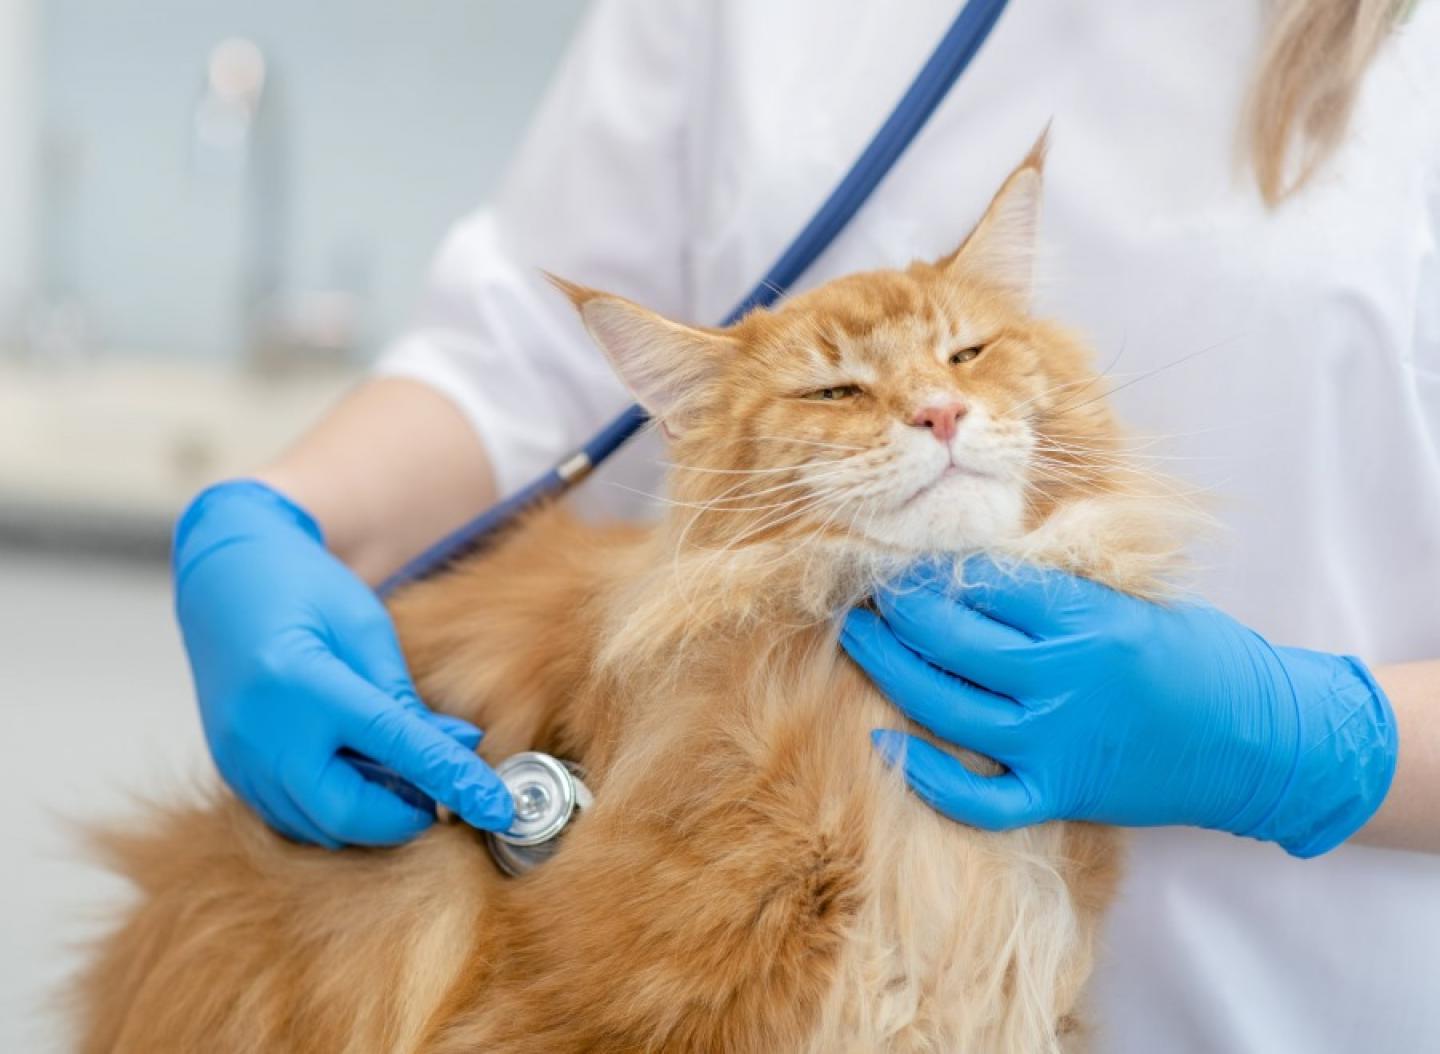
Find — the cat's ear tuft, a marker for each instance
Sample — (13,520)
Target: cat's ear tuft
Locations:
(1001,249)
(665,364)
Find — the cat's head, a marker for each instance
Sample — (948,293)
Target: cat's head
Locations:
(914,410)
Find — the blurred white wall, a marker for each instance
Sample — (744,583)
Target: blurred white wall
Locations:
(17,121)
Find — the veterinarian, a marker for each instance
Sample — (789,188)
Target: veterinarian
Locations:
(1243,209)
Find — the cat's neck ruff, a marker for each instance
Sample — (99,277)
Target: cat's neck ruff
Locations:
(683,594)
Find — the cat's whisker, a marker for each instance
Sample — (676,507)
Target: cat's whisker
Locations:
(1094,465)
(827,500)
(1082,472)
(734,548)
(1120,445)
(1082,383)
(1082,453)
(1079,452)
(1072,455)
(1082,486)
(777,290)
(773,519)
(1149,439)
(1093,476)
(703,506)
(772,522)
(795,507)
(806,442)
(1076,462)
(835,469)
(1094,484)
(718,504)
(808,483)
(813,540)
(753,471)
(874,510)
(1147,375)
(788,552)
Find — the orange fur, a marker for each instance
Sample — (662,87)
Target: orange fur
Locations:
(751,878)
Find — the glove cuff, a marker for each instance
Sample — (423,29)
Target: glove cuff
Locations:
(1345,756)
(234,508)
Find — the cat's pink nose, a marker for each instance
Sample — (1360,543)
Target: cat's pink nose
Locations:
(942,419)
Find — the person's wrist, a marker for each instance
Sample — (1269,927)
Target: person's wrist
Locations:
(1343,758)
(235,508)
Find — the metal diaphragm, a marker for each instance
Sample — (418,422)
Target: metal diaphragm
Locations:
(548,794)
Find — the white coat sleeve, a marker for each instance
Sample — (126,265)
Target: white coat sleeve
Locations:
(597,195)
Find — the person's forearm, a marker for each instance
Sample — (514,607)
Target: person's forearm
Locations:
(1409,817)
(391,469)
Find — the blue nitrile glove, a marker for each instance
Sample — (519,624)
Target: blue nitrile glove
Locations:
(1107,708)
(295,659)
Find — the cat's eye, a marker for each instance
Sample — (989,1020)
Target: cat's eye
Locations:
(840,391)
(966,355)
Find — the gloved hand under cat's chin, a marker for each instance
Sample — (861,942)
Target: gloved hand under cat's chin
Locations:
(1108,708)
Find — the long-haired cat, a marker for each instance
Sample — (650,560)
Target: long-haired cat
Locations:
(752,877)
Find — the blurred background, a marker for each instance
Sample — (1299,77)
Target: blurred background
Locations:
(213,215)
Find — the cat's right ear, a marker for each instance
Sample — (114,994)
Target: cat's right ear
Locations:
(665,364)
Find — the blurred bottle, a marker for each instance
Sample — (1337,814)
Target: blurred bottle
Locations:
(239,135)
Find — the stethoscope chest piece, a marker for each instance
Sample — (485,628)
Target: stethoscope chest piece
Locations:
(548,794)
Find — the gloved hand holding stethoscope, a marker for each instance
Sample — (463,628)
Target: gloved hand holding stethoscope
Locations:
(295,663)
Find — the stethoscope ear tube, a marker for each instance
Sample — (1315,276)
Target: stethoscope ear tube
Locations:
(391,780)
(942,69)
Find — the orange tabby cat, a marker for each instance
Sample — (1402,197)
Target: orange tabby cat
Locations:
(751,878)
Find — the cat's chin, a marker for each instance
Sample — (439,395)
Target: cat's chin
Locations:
(963,515)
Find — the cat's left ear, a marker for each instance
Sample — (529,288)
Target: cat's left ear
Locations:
(665,364)
(1001,249)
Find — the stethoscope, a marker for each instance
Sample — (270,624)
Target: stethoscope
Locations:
(941,70)
(950,58)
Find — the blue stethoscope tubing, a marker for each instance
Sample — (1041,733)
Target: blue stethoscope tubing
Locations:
(953,54)
(943,68)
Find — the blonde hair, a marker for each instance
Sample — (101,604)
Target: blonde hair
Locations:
(1309,75)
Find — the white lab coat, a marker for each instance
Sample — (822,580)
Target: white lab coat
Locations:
(685,142)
